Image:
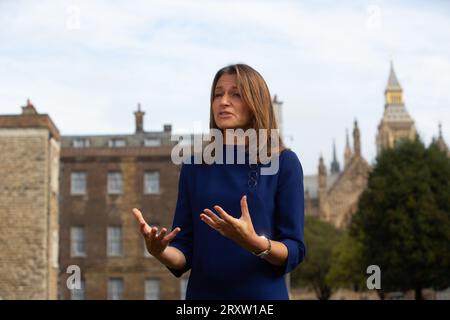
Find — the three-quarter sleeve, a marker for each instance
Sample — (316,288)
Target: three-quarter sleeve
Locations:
(183,219)
(289,216)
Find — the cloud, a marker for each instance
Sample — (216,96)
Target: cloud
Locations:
(89,63)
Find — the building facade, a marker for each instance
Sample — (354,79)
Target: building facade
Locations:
(29,157)
(396,123)
(334,196)
(102,179)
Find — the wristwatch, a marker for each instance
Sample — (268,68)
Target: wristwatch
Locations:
(265,252)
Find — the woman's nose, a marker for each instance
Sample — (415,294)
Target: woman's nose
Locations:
(225,100)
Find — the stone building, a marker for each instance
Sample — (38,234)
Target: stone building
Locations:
(334,196)
(396,123)
(441,142)
(102,179)
(29,157)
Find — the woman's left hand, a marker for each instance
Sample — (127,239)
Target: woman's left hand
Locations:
(240,230)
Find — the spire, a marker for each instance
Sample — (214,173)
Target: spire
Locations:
(335,168)
(394,92)
(348,151)
(322,173)
(393,83)
(139,117)
(440,140)
(356,139)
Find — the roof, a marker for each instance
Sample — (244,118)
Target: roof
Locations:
(311,184)
(393,83)
(396,113)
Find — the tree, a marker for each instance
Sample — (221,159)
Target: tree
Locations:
(320,238)
(403,218)
(347,269)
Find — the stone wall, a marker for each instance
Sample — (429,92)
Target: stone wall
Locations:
(28,213)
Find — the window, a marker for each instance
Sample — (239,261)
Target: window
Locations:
(183,287)
(114,183)
(115,289)
(116,143)
(152,142)
(114,241)
(80,143)
(151,182)
(77,242)
(152,289)
(78,183)
(79,294)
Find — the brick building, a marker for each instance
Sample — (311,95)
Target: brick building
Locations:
(29,157)
(72,196)
(102,179)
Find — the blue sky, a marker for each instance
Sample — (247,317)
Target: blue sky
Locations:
(88,63)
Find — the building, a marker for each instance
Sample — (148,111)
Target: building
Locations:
(30,149)
(441,142)
(102,179)
(396,123)
(334,196)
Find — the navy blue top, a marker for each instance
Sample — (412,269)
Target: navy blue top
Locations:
(220,268)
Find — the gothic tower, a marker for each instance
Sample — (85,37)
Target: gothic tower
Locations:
(348,151)
(396,123)
(335,167)
(356,140)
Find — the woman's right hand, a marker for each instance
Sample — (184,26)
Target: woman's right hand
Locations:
(156,242)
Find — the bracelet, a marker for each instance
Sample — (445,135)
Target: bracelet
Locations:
(265,252)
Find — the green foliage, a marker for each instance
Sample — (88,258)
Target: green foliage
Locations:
(320,238)
(347,268)
(403,219)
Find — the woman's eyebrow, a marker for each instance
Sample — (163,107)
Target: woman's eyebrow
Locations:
(220,87)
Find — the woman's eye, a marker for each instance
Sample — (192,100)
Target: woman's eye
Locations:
(236,94)
(217,94)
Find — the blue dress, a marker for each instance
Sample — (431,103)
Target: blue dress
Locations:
(220,268)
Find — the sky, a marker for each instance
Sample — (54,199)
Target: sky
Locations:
(89,63)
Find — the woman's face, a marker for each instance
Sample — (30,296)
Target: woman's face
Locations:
(230,111)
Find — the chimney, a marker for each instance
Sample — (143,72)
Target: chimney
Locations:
(168,128)
(29,109)
(139,115)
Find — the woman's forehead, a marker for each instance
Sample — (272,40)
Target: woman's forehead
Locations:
(226,81)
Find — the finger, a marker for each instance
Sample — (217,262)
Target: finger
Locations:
(145,229)
(153,232)
(138,215)
(172,234)
(244,207)
(212,216)
(225,216)
(161,234)
(206,219)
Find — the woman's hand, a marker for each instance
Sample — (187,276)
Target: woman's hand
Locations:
(240,230)
(155,242)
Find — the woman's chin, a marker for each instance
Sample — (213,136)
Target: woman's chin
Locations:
(227,125)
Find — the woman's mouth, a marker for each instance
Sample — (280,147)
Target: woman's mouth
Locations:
(225,114)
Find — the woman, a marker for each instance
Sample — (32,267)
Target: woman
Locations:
(255,236)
